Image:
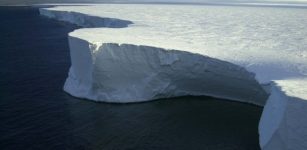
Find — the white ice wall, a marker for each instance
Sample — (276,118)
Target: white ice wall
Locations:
(283,124)
(129,73)
(84,20)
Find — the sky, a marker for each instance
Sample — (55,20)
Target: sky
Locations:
(21,2)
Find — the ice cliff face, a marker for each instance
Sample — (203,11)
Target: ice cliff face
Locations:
(283,125)
(84,20)
(130,73)
(176,54)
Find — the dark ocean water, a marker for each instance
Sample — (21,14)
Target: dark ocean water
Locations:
(36,114)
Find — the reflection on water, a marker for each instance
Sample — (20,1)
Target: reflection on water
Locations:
(36,114)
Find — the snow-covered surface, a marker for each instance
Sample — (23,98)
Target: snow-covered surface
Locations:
(247,36)
(174,50)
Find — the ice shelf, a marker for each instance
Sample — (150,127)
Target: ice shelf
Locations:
(132,53)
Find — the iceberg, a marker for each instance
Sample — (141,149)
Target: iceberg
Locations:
(133,53)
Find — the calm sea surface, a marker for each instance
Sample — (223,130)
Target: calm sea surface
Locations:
(35,113)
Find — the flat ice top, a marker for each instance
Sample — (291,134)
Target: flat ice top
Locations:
(271,42)
(295,87)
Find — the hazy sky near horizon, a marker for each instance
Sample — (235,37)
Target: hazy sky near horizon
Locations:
(20,2)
